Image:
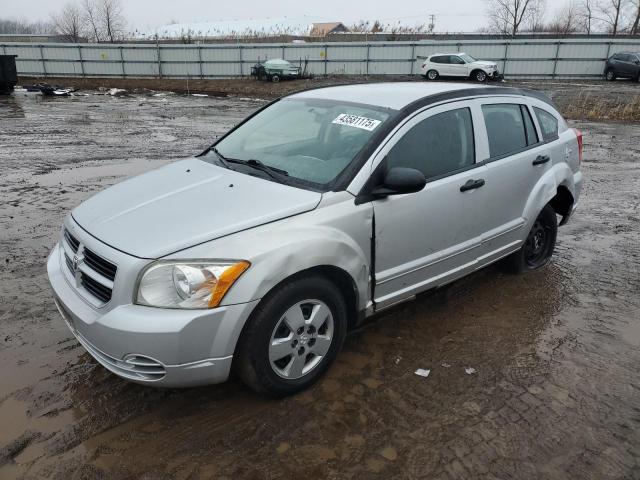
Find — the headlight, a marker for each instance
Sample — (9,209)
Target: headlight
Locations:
(187,284)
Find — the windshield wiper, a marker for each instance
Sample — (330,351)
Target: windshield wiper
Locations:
(223,160)
(273,172)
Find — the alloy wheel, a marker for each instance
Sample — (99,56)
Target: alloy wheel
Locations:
(301,339)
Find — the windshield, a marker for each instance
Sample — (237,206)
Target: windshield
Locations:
(467,58)
(310,140)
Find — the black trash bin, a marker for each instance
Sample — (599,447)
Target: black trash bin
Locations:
(8,74)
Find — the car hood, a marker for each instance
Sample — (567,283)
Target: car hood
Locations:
(485,63)
(186,203)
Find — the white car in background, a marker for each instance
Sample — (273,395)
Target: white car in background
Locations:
(458,65)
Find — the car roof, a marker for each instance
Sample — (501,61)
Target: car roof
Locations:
(398,95)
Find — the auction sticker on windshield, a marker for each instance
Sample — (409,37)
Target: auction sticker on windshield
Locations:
(358,122)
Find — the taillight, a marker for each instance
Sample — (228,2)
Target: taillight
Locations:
(579,137)
(424,65)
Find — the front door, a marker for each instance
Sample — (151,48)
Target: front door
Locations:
(431,237)
(457,67)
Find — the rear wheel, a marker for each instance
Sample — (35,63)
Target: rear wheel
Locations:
(610,75)
(539,245)
(432,75)
(275,78)
(293,337)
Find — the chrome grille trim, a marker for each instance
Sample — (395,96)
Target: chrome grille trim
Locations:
(94,275)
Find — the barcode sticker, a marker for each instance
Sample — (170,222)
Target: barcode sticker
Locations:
(358,122)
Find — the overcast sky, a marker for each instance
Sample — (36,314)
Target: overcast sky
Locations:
(451,15)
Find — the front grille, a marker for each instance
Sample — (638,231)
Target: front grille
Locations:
(100,265)
(71,240)
(96,273)
(95,288)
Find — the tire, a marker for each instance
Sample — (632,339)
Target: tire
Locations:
(432,75)
(479,76)
(610,75)
(273,352)
(538,248)
(275,78)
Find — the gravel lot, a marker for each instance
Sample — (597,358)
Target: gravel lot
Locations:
(556,393)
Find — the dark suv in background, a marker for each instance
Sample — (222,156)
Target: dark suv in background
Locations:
(623,64)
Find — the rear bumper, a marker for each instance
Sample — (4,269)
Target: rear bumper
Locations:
(153,346)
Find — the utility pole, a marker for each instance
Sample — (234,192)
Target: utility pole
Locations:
(432,23)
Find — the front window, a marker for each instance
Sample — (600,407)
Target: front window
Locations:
(312,140)
(467,58)
(437,146)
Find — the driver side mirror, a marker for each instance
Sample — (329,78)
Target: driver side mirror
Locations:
(400,180)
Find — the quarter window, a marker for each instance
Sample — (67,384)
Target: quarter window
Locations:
(507,129)
(532,135)
(436,146)
(548,124)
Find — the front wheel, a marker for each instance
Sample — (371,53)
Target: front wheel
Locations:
(293,337)
(539,245)
(480,76)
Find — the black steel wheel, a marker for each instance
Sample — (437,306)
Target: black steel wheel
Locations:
(539,245)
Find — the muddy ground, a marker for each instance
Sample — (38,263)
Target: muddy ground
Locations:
(584,99)
(556,353)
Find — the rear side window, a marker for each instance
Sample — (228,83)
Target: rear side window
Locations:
(436,146)
(548,124)
(507,129)
(440,59)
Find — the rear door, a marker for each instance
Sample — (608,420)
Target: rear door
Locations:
(440,64)
(431,237)
(518,157)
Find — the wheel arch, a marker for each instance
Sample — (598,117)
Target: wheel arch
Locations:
(562,203)
(338,276)
(472,75)
(555,187)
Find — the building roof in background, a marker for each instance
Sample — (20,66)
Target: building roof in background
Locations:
(327,28)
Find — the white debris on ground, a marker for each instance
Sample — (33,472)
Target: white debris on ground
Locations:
(114,92)
(445,365)
(199,95)
(470,370)
(422,372)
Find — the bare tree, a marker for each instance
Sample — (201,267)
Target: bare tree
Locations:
(566,20)
(112,19)
(611,13)
(635,27)
(508,17)
(12,26)
(70,22)
(92,19)
(586,15)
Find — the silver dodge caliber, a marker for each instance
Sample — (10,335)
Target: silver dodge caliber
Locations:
(317,211)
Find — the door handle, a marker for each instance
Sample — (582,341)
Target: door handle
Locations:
(472,184)
(541,159)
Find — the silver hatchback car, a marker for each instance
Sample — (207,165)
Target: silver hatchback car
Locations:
(316,212)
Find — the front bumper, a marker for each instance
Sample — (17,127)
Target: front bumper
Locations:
(154,346)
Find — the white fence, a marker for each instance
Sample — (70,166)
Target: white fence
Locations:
(551,58)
